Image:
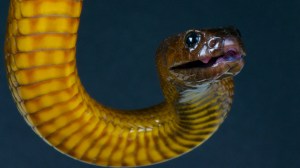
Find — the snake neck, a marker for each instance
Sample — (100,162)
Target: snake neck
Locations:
(205,104)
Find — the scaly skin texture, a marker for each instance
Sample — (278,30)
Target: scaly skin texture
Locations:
(41,67)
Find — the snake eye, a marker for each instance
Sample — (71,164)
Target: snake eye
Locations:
(192,39)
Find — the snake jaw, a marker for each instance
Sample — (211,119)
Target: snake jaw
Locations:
(226,63)
(207,62)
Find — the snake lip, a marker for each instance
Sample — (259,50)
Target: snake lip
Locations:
(229,56)
(196,64)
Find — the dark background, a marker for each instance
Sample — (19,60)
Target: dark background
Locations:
(117,43)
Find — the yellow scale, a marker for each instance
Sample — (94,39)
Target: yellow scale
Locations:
(40,55)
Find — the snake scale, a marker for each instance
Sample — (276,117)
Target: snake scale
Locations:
(196,70)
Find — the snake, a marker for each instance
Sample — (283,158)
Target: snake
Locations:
(195,68)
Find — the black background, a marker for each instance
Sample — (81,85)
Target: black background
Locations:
(116,47)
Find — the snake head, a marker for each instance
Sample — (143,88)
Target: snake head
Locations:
(197,56)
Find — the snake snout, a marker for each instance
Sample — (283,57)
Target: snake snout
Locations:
(233,45)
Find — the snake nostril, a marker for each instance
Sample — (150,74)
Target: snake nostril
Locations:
(215,42)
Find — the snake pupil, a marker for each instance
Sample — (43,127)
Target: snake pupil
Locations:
(192,39)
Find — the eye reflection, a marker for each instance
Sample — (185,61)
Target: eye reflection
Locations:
(192,39)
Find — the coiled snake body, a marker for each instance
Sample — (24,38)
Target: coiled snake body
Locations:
(195,68)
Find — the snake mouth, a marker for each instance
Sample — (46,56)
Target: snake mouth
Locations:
(229,56)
